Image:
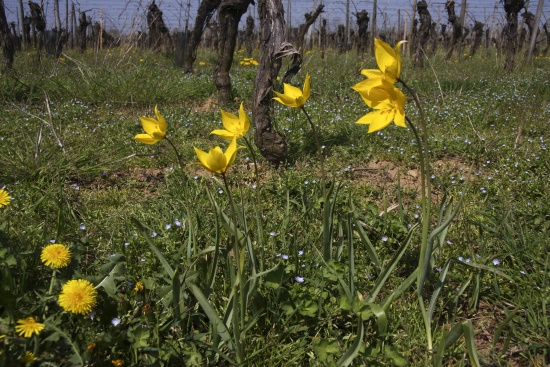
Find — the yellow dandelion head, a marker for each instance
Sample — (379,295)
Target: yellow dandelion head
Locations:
(90,348)
(56,255)
(27,358)
(78,296)
(117,362)
(28,326)
(4,198)
(138,287)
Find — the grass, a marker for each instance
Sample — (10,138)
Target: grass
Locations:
(68,159)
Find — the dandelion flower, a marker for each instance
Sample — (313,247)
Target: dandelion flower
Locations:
(78,296)
(138,287)
(4,198)
(28,326)
(27,358)
(117,362)
(56,255)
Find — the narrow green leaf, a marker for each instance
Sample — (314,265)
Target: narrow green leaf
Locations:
(468,330)
(167,268)
(392,353)
(215,320)
(355,348)
(389,268)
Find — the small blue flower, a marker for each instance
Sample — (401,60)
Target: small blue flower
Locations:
(82,226)
(177,223)
(154,234)
(115,321)
(284,257)
(300,253)
(273,233)
(496,262)
(142,260)
(168,226)
(384,239)
(299,279)
(126,244)
(460,258)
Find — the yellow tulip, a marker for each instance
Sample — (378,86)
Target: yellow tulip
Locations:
(216,161)
(235,127)
(155,129)
(389,105)
(388,60)
(292,96)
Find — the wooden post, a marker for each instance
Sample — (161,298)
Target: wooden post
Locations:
(73,25)
(535,31)
(22,20)
(348,41)
(56,14)
(100,35)
(373,26)
(272,144)
(398,22)
(461,20)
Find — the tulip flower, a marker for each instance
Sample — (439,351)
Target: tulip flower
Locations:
(216,161)
(155,130)
(388,60)
(235,127)
(389,105)
(292,96)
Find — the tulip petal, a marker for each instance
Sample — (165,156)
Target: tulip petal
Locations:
(203,158)
(150,125)
(286,100)
(161,122)
(224,134)
(306,88)
(216,160)
(292,91)
(386,60)
(146,139)
(372,73)
(243,120)
(229,120)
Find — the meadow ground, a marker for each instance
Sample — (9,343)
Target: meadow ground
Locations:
(160,247)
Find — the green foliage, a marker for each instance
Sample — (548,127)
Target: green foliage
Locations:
(293,277)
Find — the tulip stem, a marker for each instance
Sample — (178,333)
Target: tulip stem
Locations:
(249,146)
(423,151)
(238,286)
(180,162)
(319,152)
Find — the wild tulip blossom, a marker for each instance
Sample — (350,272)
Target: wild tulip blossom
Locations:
(292,96)
(216,161)
(235,127)
(388,60)
(155,130)
(389,105)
